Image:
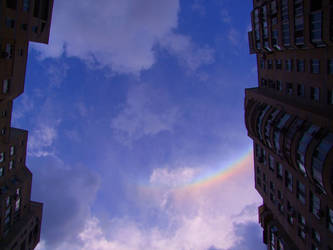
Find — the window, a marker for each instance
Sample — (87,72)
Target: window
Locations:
(289,88)
(301,226)
(2,157)
(275,35)
(300,90)
(315,205)
(303,146)
(271,163)
(259,181)
(11,4)
(1,171)
(21,52)
(330,67)
(315,26)
(12,150)
(278,64)
(318,158)
(26,4)
(285,23)
(8,201)
(11,164)
(5,86)
(9,50)
(262,63)
(300,66)
(279,170)
(316,5)
(330,97)
(314,94)
(315,66)
(35,29)
(289,181)
(330,219)
(17,204)
(3,131)
(300,192)
(289,65)
(278,85)
(315,236)
(10,23)
(24,26)
(299,22)
(269,64)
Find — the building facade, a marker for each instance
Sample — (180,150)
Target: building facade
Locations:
(21,21)
(289,117)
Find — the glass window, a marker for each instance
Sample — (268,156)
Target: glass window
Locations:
(319,156)
(11,164)
(9,50)
(10,23)
(289,88)
(315,26)
(17,204)
(271,163)
(314,94)
(315,236)
(315,205)
(330,66)
(289,65)
(8,201)
(11,4)
(289,180)
(300,66)
(315,66)
(269,64)
(301,226)
(285,23)
(26,4)
(278,64)
(278,85)
(5,86)
(2,157)
(330,219)
(300,90)
(279,170)
(330,96)
(300,192)
(12,150)
(1,171)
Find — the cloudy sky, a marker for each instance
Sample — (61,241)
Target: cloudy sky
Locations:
(136,131)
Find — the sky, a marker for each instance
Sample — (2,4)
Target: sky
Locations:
(136,126)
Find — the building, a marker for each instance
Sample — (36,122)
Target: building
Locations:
(289,116)
(21,21)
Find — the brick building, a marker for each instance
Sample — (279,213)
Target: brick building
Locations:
(21,21)
(289,116)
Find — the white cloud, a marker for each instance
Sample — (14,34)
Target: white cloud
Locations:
(198,218)
(226,18)
(189,55)
(118,35)
(147,112)
(234,37)
(57,72)
(41,140)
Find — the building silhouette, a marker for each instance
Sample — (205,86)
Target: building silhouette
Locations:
(289,116)
(21,21)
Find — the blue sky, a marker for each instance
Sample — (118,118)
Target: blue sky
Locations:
(129,101)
